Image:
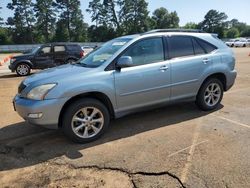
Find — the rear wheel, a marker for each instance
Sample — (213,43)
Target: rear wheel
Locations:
(85,120)
(23,69)
(210,94)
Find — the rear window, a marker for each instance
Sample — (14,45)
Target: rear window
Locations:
(73,47)
(180,46)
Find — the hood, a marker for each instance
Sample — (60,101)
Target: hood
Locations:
(24,56)
(56,74)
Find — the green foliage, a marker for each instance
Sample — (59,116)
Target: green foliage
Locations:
(1,19)
(246,32)
(191,25)
(214,22)
(101,33)
(46,19)
(71,17)
(40,21)
(23,21)
(232,33)
(164,19)
(4,36)
(134,16)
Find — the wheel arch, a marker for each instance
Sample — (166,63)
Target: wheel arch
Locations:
(220,76)
(24,62)
(95,95)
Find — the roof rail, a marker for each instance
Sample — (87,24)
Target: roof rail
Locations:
(176,30)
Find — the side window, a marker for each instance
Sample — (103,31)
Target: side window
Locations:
(46,50)
(207,46)
(59,48)
(73,47)
(180,46)
(198,49)
(146,51)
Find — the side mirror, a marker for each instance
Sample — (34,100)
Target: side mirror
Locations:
(124,61)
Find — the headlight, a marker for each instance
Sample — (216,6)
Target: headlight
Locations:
(12,60)
(39,92)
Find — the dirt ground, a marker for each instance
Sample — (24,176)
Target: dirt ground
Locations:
(175,146)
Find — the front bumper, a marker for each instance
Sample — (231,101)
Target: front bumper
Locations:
(11,67)
(50,110)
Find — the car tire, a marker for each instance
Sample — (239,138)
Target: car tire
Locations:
(85,120)
(22,69)
(210,94)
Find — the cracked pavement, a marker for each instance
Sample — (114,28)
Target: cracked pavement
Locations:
(174,146)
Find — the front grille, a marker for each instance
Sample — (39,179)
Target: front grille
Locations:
(21,87)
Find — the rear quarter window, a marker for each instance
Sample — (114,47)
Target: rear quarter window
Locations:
(73,48)
(206,45)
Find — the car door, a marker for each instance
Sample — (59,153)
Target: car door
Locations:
(147,81)
(189,62)
(44,58)
(60,55)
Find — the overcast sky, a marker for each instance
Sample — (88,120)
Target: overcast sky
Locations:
(188,10)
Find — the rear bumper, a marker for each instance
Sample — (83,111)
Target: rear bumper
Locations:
(50,110)
(231,76)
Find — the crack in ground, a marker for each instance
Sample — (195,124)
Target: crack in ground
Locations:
(130,174)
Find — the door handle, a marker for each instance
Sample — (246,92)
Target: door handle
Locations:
(205,61)
(164,68)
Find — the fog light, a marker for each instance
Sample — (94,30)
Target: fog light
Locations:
(35,115)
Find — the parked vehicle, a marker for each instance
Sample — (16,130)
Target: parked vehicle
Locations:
(125,75)
(241,43)
(45,56)
(231,42)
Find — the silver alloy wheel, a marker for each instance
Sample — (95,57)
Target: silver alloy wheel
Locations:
(23,69)
(87,122)
(212,94)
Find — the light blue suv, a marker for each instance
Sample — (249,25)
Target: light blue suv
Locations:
(125,75)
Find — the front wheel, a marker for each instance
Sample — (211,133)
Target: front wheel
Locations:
(210,94)
(85,120)
(23,69)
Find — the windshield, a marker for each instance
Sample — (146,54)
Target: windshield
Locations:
(103,53)
(35,50)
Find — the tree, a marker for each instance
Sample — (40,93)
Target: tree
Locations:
(214,22)
(191,25)
(1,19)
(46,18)
(232,33)
(23,21)
(105,13)
(72,18)
(164,19)
(101,33)
(236,24)
(134,16)
(246,32)
(61,33)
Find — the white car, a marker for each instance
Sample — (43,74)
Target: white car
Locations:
(231,42)
(241,43)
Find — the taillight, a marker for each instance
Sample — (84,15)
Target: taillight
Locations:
(82,54)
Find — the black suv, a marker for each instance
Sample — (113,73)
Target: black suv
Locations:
(46,56)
